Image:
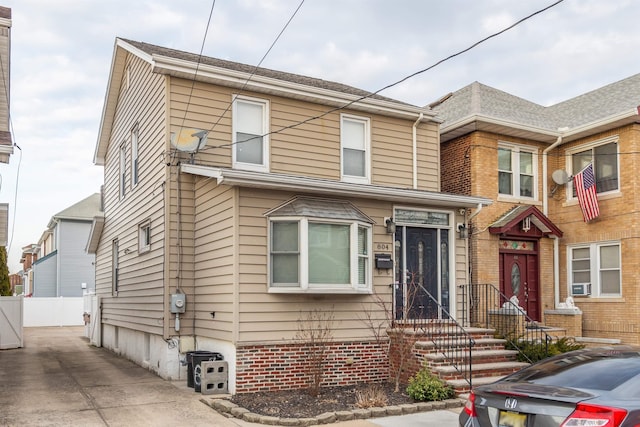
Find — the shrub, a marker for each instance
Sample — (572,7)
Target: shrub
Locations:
(424,386)
(535,351)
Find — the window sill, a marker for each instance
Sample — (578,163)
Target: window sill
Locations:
(606,196)
(590,299)
(332,291)
(520,200)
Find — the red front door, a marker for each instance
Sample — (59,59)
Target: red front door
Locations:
(519,277)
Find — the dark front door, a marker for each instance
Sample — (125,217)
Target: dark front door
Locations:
(422,272)
(519,277)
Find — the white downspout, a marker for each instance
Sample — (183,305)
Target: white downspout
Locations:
(415,151)
(545,210)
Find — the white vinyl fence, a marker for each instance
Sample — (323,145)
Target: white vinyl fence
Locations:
(61,311)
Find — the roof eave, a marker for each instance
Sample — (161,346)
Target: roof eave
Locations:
(114,83)
(474,123)
(233,78)
(94,234)
(272,181)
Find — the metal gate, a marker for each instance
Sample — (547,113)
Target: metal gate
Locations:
(11,309)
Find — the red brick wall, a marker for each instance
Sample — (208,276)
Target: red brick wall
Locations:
(285,367)
(455,172)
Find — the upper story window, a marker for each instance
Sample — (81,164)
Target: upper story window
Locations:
(599,265)
(355,142)
(604,156)
(250,129)
(134,156)
(517,168)
(122,173)
(319,246)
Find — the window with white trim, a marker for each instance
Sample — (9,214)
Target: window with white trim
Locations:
(517,167)
(250,129)
(312,255)
(115,267)
(123,170)
(144,237)
(598,264)
(134,155)
(355,148)
(318,245)
(604,156)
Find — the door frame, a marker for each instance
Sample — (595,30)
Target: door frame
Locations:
(439,219)
(511,247)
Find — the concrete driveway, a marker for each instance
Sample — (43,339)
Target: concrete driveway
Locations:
(58,379)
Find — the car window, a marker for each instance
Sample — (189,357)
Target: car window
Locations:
(596,372)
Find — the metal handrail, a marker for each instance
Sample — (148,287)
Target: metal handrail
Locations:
(489,307)
(444,334)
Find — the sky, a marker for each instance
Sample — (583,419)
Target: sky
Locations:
(61,55)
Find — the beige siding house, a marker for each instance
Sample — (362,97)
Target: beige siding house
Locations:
(533,241)
(262,199)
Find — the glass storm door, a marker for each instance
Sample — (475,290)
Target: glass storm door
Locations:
(422,272)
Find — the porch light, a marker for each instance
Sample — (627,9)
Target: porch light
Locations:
(463,231)
(391,226)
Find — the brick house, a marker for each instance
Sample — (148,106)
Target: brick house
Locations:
(532,242)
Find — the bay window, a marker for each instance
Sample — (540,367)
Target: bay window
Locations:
(319,254)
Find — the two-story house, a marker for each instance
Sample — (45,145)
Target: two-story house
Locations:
(238,200)
(533,241)
(63,267)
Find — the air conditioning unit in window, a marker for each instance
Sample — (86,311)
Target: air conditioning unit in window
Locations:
(581,289)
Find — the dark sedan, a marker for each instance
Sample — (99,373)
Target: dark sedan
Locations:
(597,387)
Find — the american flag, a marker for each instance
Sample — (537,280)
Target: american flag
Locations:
(585,185)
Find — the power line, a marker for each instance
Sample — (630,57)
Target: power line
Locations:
(333,110)
(256,67)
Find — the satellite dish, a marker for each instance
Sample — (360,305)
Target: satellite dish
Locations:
(189,140)
(560,177)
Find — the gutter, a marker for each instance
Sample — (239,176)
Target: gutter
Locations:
(273,181)
(545,210)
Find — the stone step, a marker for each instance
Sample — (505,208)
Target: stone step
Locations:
(479,344)
(461,386)
(477,356)
(449,372)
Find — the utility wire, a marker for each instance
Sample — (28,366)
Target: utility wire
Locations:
(256,67)
(319,116)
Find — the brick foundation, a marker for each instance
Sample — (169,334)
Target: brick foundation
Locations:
(286,367)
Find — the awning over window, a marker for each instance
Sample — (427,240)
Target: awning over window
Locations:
(320,208)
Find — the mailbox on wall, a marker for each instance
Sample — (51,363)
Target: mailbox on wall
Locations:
(383,261)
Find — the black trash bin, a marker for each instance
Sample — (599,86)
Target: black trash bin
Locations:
(194,359)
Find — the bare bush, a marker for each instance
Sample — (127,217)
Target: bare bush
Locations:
(374,396)
(388,326)
(315,331)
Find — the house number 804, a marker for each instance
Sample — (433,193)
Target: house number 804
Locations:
(383,247)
